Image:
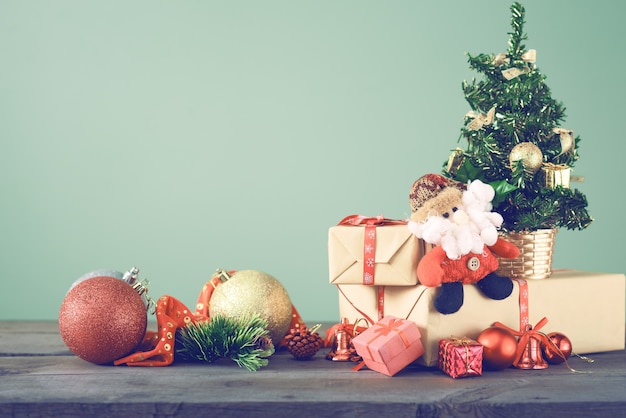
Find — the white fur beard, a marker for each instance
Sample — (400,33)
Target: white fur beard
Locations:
(456,240)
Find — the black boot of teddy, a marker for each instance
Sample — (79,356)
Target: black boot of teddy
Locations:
(496,287)
(450,298)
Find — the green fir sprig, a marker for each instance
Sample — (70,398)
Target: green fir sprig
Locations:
(244,339)
(517,36)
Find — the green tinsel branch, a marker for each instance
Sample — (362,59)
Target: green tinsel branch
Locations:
(245,340)
(516,48)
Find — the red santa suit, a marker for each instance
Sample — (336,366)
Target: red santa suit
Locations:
(436,267)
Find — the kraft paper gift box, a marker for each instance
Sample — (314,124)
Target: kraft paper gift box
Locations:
(589,308)
(395,253)
(389,345)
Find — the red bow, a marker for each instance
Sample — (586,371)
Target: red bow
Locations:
(355,220)
(525,335)
(157,348)
(383,330)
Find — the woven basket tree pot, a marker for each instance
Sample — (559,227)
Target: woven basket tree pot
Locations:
(535,259)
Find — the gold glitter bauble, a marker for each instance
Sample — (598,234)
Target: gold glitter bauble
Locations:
(529,154)
(249,292)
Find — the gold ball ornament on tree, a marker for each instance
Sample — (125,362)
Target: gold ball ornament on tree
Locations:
(529,154)
(499,347)
(250,292)
(102,318)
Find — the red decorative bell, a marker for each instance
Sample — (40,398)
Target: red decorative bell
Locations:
(341,350)
(532,357)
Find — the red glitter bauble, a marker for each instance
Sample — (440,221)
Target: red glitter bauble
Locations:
(102,319)
(558,350)
(499,347)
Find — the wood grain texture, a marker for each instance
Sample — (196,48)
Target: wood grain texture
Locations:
(39,377)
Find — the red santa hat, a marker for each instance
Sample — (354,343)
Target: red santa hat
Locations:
(428,187)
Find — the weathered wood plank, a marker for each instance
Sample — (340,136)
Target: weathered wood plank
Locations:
(31,338)
(51,383)
(34,338)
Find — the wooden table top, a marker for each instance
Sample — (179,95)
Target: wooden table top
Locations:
(39,376)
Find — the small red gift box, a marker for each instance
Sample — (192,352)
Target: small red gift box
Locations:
(460,357)
(389,345)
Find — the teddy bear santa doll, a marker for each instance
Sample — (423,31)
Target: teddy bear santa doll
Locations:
(458,220)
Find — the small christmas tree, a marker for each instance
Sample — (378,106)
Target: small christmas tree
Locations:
(516,142)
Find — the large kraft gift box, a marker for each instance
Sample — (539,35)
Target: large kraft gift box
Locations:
(373,251)
(589,308)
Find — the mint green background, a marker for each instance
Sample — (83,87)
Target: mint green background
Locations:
(185,136)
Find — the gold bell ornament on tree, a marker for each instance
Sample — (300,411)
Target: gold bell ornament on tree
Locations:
(104,315)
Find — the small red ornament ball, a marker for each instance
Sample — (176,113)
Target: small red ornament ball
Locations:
(499,347)
(559,350)
(102,319)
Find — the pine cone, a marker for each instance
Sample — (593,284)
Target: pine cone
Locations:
(303,343)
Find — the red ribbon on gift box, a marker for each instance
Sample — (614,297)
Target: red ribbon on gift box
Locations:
(369,249)
(523,304)
(369,244)
(382,330)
